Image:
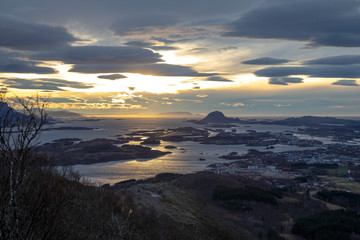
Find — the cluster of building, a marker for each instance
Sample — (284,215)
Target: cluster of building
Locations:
(253,138)
(290,139)
(286,163)
(236,168)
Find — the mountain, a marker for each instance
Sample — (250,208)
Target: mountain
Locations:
(8,115)
(4,109)
(218,117)
(312,121)
(64,114)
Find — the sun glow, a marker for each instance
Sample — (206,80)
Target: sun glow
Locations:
(170,57)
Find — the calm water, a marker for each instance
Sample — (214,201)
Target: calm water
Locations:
(179,161)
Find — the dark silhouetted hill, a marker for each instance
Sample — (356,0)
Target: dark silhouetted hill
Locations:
(312,121)
(218,117)
(64,114)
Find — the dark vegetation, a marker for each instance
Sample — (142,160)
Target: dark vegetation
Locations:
(56,205)
(252,204)
(248,193)
(299,165)
(329,225)
(345,199)
(39,202)
(273,235)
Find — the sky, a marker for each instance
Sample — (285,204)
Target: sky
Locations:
(141,57)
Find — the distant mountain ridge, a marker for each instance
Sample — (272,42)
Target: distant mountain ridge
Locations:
(312,121)
(64,114)
(218,117)
(7,114)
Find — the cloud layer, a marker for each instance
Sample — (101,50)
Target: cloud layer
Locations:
(11,62)
(351,71)
(285,80)
(350,83)
(335,60)
(101,55)
(266,61)
(22,35)
(46,84)
(112,76)
(218,79)
(130,23)
(160,69)
(319,22)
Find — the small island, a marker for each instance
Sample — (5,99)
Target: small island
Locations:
(65,152)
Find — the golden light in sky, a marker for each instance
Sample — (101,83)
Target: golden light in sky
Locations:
(222,52)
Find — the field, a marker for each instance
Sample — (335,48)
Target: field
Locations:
(340,171)
(343,182)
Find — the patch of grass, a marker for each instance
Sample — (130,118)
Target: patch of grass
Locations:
(305,170)
(343,182)
(339,171)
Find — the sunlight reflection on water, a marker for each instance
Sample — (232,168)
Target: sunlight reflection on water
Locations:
(184,159)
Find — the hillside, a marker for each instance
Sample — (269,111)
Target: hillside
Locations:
(199,206)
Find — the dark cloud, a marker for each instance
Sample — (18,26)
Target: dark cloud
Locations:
(95,11)
(145,44)
(11,63)
(229,48)
(46,84)
(351,71)
(65,100)
(139,43)
(164,40)
(24,67)
(266,61)
(163,48)
(336,60)
(218,79)
(319,22)
(146,69)
(101,55)
(103,59)
(112,76)
(285,80)
(346,83)
(130,23)
(21,35)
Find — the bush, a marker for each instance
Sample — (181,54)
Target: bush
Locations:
(328,225)
(236,205)
(273,235)
(248,193)
(342,198)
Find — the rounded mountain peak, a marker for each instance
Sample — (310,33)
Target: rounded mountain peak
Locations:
(218,117)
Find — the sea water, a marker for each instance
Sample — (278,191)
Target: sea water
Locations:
(183,159)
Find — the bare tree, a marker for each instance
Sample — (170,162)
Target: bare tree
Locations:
(19,132)
(41,202)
